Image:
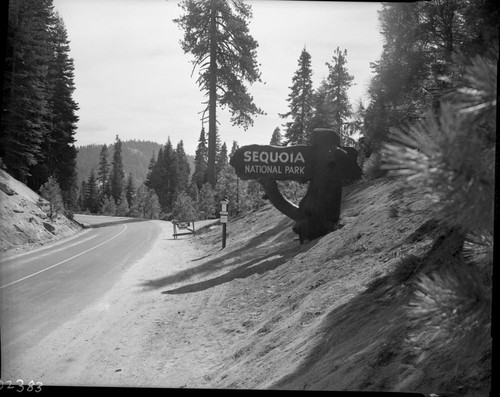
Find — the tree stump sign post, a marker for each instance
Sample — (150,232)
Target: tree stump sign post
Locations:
(325,164)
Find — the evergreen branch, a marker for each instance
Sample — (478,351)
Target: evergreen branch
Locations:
(478,248)
(455,305)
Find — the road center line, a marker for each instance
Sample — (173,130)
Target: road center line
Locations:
(66,260)
(52,248)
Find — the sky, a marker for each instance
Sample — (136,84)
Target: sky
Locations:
(133,79)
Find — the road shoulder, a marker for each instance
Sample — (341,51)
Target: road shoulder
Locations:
(123,339)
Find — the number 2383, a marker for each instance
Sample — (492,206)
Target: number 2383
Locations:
(20,386)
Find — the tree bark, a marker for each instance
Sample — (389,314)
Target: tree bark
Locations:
(212,99)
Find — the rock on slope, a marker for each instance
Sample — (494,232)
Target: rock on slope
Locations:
(23,223)
(332,314)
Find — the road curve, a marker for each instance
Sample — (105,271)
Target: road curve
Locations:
(42,289)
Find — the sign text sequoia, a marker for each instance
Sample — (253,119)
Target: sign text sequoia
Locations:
(281,163)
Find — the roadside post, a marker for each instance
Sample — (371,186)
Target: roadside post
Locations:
(223,219)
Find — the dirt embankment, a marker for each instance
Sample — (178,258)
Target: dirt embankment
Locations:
(267,312)
(24,223)
(332,314)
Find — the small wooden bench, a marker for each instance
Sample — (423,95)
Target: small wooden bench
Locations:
(181,228)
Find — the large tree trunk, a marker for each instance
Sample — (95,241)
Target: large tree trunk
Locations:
(212,99)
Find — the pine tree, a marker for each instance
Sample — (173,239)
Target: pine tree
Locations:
(237,188)
(82,203)
(450,157)
(153,178)
(300,103)
(184,208)
(183,168)
(117,175)
(338,82)
(152,206)
(228,186)
(234,148)
(103,172)
(39,113)
(222,160)
(200,161)
(70,198)
(253,196)
(216,33)
(130,190)
(92,202)
(146,204)
(108,206)
(122,209)
(58,148)
(321,117)
(25,112)
(206,202)
(193,193)
(169,186)
(276,139)
(51,191)
(414,69)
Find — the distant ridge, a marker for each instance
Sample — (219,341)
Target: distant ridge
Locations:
(136,157)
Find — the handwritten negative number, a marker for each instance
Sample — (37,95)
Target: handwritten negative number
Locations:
(32,386)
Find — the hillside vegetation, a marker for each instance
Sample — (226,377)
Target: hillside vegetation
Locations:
(334,314)
(24,223)
(136,157)
(331,314)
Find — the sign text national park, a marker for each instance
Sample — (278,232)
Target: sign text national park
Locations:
(324,164)
(276,162)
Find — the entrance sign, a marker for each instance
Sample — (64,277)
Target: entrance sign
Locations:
(325,164)
(279,163)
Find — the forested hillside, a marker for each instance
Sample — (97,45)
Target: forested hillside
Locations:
(38,113)
(136,156)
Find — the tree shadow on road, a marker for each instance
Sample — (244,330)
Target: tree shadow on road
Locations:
(254,257)
(257,266)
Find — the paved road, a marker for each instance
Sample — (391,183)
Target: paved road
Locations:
(42,289)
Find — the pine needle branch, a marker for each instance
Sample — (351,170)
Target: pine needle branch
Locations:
(455,306)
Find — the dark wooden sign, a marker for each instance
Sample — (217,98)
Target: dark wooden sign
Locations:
(275,162)
(325,164)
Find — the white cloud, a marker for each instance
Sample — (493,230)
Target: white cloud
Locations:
(133,79)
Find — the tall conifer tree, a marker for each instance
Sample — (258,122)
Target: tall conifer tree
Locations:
(216,34)
(183,168)
(222,160)
(276,139)
(300,102)
(130,190)
(200,161)
(117,176)
(60,153)
(39,113)
(321,117)
(25,111)
(338,82)
(103,172)
(170,186)
(92,202)
(151,178)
